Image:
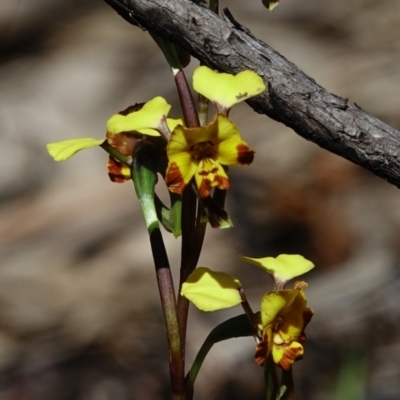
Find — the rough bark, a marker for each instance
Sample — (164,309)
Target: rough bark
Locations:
(292,98)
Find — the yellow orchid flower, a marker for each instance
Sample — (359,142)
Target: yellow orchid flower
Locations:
(192,152)
(282,268)
(125,143)
(226,90)
(201,152)
(124,130)
(284,316)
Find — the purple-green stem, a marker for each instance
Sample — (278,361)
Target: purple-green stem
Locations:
(167,295)
(192,232)
(144,174)
(249,313)
(189,109)
(176,312)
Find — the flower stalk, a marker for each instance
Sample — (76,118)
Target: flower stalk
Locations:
(144,178)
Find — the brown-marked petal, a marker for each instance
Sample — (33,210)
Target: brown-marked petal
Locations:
(118,172)
(179,172)
(124,142)
(286,355)
(210,174)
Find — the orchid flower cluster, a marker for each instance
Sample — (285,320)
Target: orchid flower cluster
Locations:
(143,142)
(200,152)
(279,327)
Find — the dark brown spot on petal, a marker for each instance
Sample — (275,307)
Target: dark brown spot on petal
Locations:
(124,142)
(245,154)
(241,96)
(205,172)
(131,109)
(174,178)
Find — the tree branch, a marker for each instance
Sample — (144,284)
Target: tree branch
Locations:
(292,98)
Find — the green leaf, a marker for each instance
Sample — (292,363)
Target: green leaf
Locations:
(238,326)
(163,214)
(144,174)
(175,217)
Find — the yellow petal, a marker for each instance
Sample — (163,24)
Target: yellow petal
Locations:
(210,174)
(179,172)
(150,116)
(282,268)
(181,167)
(199,134)
(61,151)
(296,323)
(286,355)
(148,132)
(287,311)
(173,123)
(226,90)
(210,291)
(178,142)
(227,130)
(274,303)
(295,316)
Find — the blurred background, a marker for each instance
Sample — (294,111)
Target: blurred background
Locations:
(79,312)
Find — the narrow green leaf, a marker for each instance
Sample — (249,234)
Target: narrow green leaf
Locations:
(238,326)
(144,174)
(175,217)
(163,214)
